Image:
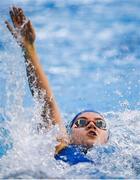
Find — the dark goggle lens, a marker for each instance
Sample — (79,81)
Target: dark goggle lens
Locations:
(101,124)
(81,123)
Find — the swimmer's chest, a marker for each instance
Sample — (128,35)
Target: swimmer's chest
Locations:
(72,155)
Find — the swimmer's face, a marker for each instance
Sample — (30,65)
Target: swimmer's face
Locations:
(89,129)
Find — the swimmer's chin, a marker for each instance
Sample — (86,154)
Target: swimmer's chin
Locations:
(92,143)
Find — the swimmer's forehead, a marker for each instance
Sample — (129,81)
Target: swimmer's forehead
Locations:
(90,115)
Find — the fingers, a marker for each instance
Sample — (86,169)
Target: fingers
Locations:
(12,15)
(14,33)
(17,16)
(11,29)
(21,15)
(9,26)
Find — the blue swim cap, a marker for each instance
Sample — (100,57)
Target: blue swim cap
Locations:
(73,120)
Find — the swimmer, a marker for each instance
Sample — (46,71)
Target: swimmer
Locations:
(88,128)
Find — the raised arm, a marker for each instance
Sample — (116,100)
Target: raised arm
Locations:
(24,33)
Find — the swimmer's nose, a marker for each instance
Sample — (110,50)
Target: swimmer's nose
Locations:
(91,125)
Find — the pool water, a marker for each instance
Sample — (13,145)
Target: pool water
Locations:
(90,50)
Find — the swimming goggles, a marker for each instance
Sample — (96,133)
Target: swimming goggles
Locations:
(81,122)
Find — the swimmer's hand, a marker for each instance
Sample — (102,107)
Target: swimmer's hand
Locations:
(22,29)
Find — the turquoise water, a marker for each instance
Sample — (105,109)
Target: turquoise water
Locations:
(90,51)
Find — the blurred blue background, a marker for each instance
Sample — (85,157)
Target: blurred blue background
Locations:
(90,50)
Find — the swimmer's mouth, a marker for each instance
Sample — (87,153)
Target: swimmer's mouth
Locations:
(92,133)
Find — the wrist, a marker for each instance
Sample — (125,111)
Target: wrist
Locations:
(29,46)
(29,50)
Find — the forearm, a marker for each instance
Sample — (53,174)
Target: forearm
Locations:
(33,66)
(39,84)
